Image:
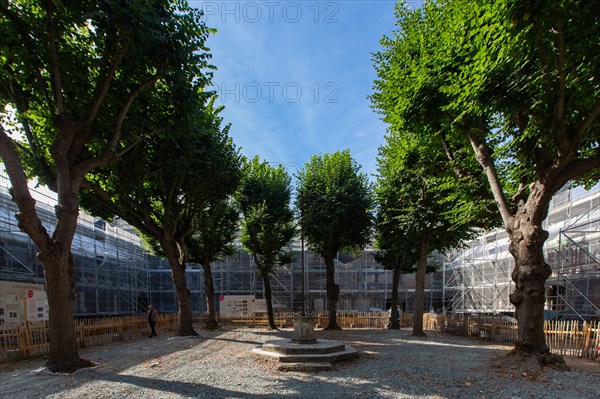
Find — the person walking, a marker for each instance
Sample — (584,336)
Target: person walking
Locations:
(152,315)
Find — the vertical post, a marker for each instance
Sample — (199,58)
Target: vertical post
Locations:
(444,310)
(302,260)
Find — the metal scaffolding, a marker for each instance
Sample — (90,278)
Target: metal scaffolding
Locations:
(115,274)
(477,279)
(110,262)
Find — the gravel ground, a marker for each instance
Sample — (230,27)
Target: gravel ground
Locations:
(219,364)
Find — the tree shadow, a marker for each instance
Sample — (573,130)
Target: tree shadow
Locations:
(392,365)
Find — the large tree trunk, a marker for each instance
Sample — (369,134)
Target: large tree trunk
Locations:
(186,323)
(333,293)
(394,322)
(420,287)
(60,282)
(209,293)
(59,272)
(527,239)
(268,298)
(55,255)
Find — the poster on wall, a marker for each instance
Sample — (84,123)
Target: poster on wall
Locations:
(241,305)
(37,305)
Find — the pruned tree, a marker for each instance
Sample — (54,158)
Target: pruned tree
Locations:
(162,187)
(268,225)
(335,199)
(513,87)
(395,251)
(214,233)
(70,72)
(416,218)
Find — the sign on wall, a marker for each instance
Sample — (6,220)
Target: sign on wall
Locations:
(241,305)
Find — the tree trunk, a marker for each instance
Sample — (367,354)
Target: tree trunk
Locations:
(59,273)
(186,323)
(54,254)
(209,292)
(420,287)
(530,273)
(268,298)
(394,322)
(333,293)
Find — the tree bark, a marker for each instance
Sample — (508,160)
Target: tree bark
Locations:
(54,254)
(333,293)
(60,282)
(394,322)
(209,292)
(527,239)
(186,323)
(268,298)
(420,287)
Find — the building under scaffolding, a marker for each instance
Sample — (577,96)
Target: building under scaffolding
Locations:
(111,265)
(115,275)
(478,278)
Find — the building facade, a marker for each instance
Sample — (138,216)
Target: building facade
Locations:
(116,275)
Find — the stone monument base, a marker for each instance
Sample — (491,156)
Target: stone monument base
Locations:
(303,356)
(304,330)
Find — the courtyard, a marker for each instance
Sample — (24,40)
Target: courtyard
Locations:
(219,364)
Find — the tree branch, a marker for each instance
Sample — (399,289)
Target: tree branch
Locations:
(543,57)
(574,170)
(109,151)
(587,121)
(573,141)
(482,153)
(457,171)
(104,81)
(27,215)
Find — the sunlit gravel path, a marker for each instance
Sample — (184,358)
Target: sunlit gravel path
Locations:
(219,364)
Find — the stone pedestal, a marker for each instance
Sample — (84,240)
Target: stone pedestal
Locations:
(304,330)
(303,352)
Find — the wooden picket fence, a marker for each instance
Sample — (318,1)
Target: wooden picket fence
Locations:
(28,339)
(567,338)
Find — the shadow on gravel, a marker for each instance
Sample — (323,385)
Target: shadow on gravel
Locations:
(179,387)
(238,341)
(392,364)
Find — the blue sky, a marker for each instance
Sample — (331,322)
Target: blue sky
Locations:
(294,76)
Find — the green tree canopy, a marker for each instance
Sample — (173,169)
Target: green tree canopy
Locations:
(335,202)
(509,88)
(215,230)
(163,186)
(264,199)
(70,73)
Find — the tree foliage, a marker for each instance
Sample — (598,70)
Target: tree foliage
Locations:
(415,217)
(335,201)
(511,89)
(215,230)
(164,186)
(264,199)
(70,73)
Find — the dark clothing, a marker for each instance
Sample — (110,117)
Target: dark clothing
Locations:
(152,314)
